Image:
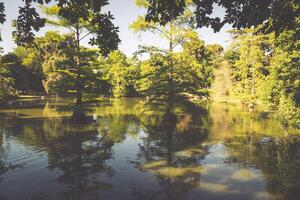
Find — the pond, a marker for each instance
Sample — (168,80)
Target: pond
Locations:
(133,149)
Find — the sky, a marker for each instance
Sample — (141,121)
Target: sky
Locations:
(125,12)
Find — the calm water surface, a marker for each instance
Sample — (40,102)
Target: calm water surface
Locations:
(139,151)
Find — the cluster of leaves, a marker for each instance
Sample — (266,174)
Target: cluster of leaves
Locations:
(273,14)
(53,59)
(249,56)
(164,11)
(28,21)
(284,80)
(74,12)
(6,84)
(168,75)
(204,59)
(120,73)
(177,72)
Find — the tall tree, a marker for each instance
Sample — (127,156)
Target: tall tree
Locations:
(251,65)
(80,16)
(173,31)
(266,69)
(284,79)
(167,72)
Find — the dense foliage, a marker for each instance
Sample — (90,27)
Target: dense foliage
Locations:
(265,69)
(6,84)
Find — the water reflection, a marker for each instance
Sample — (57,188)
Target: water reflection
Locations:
(277,158)
(173,150)
(137,150)
(2,166)
(80,159)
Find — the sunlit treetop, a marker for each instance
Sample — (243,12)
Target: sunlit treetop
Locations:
(104,33)
(273,15)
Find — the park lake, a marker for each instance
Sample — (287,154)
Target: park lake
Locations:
(128,148)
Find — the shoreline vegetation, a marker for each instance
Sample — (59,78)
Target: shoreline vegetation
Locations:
(260,66)
(58,107)
(95,100)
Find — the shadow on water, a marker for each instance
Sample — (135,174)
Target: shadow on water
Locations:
(140,150)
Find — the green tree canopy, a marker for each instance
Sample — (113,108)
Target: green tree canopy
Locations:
(119,72)
(273,15)
(84,19)
(74,12)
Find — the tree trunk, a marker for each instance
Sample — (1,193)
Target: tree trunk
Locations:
(78,96)
(253,83)
(78,112)
(171,85)
(78,84)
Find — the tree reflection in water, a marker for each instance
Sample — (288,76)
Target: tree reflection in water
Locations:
(77,151)
(2,165)
(278,159)
(173,150)
(81,158)
(180,149)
